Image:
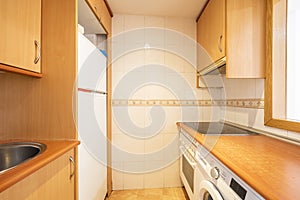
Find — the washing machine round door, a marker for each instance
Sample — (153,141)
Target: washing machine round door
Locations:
(209,192)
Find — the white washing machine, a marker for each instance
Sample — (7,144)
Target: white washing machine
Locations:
(219,183)
(204,176)
(194,170)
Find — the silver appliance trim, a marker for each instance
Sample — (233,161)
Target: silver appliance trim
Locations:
(214,66)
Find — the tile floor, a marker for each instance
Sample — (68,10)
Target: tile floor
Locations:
(150,194)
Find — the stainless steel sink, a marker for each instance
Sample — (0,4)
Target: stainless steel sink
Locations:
(13,154)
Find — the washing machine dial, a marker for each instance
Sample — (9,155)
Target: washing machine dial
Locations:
(215,173)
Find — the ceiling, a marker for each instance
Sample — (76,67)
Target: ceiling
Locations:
(174,8)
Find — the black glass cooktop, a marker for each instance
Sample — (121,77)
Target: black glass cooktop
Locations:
(216,128)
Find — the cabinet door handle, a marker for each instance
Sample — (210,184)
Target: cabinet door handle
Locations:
(38,48)
(219,45)
(73,163)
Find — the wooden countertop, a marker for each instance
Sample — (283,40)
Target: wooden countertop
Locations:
(54,150)
(271,167)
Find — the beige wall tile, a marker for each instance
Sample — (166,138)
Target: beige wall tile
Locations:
(239,88)
(116,78)
(211,114)
(133,22)
(153,21)
(117,176)
(249,88)
(203,94)
(118,48)
(153,56)
(173,114)
(153,147)
(252,118)
(188,52)
(190,28)
(189,67)
(118,66)
(118,24)
(133,167)
(153,118)
(242,116)
(230,114)
(134,39)
(137,116)
(171,175)
(171,148)
(174,62)
(140,93)
(259,88)
(141,116)
(134,60)
(157,92)
(174,23)
(151,166)
(154,179)
(115,128)
(133,181)
(190,78)
(155,35)
(129,144)
(191,113)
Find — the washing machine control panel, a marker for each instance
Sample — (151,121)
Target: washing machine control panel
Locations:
(229,184)
(215,173)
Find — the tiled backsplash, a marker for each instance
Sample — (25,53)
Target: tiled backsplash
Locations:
(150,58)
(250,88)
(179,99)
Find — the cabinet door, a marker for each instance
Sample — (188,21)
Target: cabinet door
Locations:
(101,12)
(105,17)
(211,29)
(51,182)
(95,6)
(20,23)
(246,30)
(61,185)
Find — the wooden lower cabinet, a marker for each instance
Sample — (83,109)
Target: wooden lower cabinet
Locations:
(48,183)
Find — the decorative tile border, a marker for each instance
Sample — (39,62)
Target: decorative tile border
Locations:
(242,103)
(246,103)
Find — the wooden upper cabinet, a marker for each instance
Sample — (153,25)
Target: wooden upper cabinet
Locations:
(101,11)
(105,17)
(244,42)
(246,38)
(95,6)
(211,30)
(20,35)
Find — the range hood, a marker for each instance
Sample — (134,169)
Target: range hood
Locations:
(217,67)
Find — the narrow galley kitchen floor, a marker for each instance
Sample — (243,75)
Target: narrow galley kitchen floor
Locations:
(150,194)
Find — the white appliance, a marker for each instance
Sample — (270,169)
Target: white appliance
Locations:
(222,183)
(92,152)
(189,171)
(215,181)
